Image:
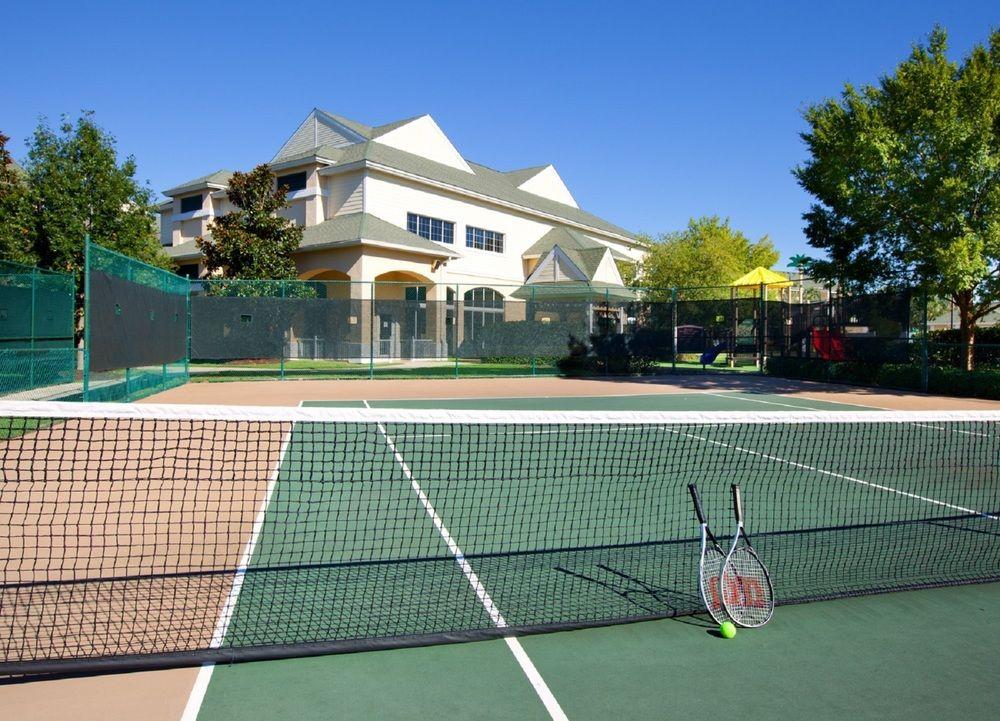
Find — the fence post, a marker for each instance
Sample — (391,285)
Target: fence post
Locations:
(281,358)
(31,334)
(762,327)
(924,346)
(371,330)
(454,323)
(532,310)
(673,316)
(86,317)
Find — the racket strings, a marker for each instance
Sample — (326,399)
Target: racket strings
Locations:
(745,589)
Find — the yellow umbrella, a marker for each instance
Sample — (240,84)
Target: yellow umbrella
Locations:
(762,276)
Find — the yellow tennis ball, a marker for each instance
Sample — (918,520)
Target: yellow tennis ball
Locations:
(728,629)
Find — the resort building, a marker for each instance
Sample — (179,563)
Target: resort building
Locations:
(398,208)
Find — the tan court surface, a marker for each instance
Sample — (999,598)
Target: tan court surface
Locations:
(921,654)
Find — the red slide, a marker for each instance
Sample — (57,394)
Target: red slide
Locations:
(828,344)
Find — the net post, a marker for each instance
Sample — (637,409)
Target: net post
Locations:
(673,316)
(86,317)
(281,357)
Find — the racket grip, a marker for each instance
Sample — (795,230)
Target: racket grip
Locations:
(696,497)
(737,503)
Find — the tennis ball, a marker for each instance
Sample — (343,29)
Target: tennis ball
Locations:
(728,629)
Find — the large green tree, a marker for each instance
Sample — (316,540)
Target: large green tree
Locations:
(906,176)
(253,242)
(709,252)
(16,231)
(79,186)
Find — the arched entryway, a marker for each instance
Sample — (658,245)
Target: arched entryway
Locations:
(328,283)
(411,319)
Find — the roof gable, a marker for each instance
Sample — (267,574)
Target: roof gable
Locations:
(423,137)
(548,184)
(321,129)
(556,266)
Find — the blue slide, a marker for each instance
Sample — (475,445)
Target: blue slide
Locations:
(709,356)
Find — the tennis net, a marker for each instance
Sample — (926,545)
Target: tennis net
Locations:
(145,536)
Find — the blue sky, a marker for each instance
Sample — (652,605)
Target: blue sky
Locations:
(652,112)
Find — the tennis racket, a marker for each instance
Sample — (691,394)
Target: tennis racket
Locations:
(710,564)
(744,584)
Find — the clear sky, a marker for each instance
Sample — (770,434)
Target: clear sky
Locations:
(651,112)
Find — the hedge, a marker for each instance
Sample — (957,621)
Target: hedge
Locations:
(981,383)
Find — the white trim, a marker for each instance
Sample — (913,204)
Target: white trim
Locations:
(307,193)
(63,409)
(537,682)
(191,215)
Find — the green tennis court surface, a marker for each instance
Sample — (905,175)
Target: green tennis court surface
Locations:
(817,660)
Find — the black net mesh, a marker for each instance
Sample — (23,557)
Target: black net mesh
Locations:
(131,541)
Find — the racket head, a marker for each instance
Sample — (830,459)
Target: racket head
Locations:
(745,588)
(710,570)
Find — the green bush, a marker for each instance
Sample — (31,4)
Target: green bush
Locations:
(981,383)
(605,354)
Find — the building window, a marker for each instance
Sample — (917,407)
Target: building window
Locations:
(483,307)
(192,203)
(442,231)
(293,181)
(483,239)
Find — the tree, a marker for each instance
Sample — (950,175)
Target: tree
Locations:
(253,242)
(16,232)
(78,186)
(709,252)
(906,175)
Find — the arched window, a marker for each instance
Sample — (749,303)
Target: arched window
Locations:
(483,307)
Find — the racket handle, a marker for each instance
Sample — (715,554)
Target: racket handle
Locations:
(737,503)
(696,497)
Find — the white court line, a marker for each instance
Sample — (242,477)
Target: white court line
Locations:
(200,687)
(841,403)
(537,682)
(821,471)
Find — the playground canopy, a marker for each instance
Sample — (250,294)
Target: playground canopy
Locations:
(762,276)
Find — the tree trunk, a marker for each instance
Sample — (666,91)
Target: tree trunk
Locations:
(967,326)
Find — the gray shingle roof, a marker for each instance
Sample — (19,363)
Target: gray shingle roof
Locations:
(519,176)
(342,231)
(569,240)
(219,177)
(482,180)
(574,290)
(349,229)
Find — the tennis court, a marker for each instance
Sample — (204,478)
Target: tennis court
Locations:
(349,563)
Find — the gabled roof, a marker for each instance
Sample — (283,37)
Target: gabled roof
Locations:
(572,290)
(218,179)
(569,240)
(519,176)
(483,180)
(340,232)
(334,139)
(349,229)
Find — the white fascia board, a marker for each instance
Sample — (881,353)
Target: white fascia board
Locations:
(373,244)
(419,251)
(310,160)
(307,193)
(332,170)
(191,215)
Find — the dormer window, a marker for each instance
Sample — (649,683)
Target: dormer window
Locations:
(293,181)
(192,203)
